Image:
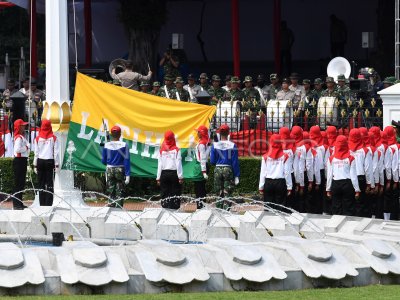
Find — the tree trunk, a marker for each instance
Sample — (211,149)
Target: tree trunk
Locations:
(142,49)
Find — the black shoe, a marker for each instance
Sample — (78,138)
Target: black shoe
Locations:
(20,207)
(114,205)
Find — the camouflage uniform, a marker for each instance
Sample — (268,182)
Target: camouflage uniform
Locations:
(234,94)
(183,94)
(115,185)
(223,181)
(169,69)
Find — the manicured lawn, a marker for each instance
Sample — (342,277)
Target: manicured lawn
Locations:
(370,292)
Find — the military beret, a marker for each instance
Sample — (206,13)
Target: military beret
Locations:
(317,81)
(294,76)
(286,80)
(215,78)
(10,81)
(329,79)
(235,79)
(248,79)
(191,77)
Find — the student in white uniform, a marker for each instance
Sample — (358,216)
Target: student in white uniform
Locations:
(170,172)
(342,182)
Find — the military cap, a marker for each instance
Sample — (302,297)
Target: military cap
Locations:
(260,77)
(390,80)
(144,83)
(178,80)
(317,81)
(168,77)
(341,77)
(228,78)
(215,78)
(10,81)
(286,80)
(273,76)
(203,76)
(191,77)
(248,79)
(329,79)
(294,76)
(156,83)
(235,79)
(306,81)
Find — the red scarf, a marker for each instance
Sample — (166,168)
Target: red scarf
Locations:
(169,143)
(275,150)
(377,135)
(287,142)
(355,141)
(341,148)
(370,142)
(307,143)
(297,135)
(315,135)
(331,134)
(391,135)
(46,131)
(364,135)
(203,132)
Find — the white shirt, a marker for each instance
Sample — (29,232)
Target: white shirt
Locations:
(21,146)
(340,169)
(276,169)
(309,167)
(46,149)
(299,164)
(202,152)
(363,160)
(170,160)
(391,162)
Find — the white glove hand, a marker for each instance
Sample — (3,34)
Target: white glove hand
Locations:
(35,170)
(236,180)
(205,176)
(127,179)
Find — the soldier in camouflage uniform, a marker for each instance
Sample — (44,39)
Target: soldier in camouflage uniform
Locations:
(342,89)
(317,91)
(330,88)
(224,155)
(252,102)
(179,93)
(116,157)
(145,87)
(250,93)
(235,93)
(170,64)
(167,89)
(215,91)
(204,86)
(227,85)
(272,89)
(156,88)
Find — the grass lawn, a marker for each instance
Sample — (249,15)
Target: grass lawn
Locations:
(380,292)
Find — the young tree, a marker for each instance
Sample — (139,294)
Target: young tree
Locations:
(142,20)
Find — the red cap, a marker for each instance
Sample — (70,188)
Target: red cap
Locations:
(223,129)
(20,122)
(202,128)
(116,129)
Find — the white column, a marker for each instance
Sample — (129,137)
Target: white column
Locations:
(391,104)
(57,95)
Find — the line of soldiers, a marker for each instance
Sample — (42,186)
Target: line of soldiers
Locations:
(329,173)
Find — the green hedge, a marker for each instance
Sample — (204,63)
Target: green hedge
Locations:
(249,169)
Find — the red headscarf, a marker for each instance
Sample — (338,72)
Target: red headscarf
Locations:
(384,139)
(331,134)
(377,135)
(287,142)
(364,135)
(315,135)
(324,137)
(169,143)
(46,131)
(341,148)
(355,140)
(297,135)
(370,142)
(307,142)
(203,132)
(391,135)
(275,147)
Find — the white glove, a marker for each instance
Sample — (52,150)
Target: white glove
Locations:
(205,176)
(127,179)
(236,180)
(35,170)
